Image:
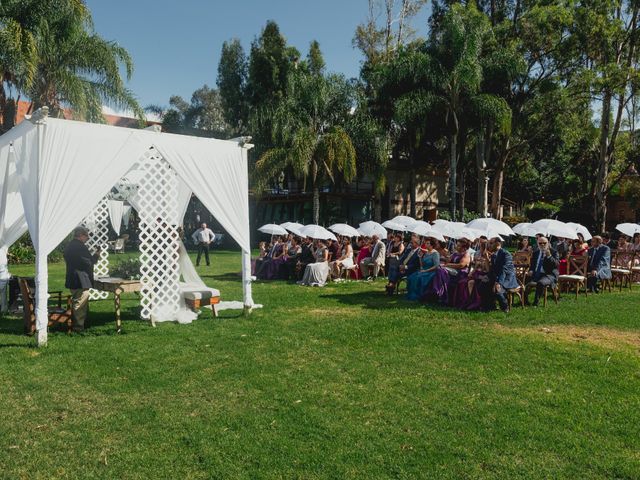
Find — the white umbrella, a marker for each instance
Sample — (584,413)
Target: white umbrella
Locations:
(272,229)
(435,235)
(524,229)
(344,230)
(393,225)
(290,225)
(556,228)
(407,222)
(448,229)
(318,232)
(629,229)
(469,233)
(297,231)
(371,228)
(420,222)
(491,224)
(422,230)
(580,229)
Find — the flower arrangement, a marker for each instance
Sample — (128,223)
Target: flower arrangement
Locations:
(128,269)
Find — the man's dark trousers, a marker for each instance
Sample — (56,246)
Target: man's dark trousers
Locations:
(203,248)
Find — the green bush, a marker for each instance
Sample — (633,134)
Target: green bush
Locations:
(514,219)
(23,252)
(540,210)
(466,218)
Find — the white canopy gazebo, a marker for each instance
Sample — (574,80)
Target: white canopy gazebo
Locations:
(56,174)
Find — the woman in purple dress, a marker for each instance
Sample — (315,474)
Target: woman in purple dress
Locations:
(452,270)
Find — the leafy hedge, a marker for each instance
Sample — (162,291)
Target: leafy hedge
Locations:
(23,252)
(540,210)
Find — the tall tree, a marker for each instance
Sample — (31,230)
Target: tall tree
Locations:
(232,85)
(78,68)
(608,40)
(308,134)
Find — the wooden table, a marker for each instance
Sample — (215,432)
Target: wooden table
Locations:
(117,286)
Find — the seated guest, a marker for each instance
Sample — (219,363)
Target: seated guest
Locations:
(344,261)
(419,281)
(441,248)
(334,249)
(370,266)
(576,249)
(288,268)
(316,274)
(271,269)
(363,252)
(307,256)
(636,242)
(479,271)
(408,263)
(457,269)
(607,241)
(623,245)
(543,271)
(599,263)
(501,277)
(262,248)
(395,249)
(523,245)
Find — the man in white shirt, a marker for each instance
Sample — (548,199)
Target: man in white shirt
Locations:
(203,237)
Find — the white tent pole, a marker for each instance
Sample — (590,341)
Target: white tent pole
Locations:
(42,274)
(246,256)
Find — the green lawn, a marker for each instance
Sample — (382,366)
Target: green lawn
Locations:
(336,382)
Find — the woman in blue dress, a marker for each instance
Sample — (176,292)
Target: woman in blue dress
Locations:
(419,281)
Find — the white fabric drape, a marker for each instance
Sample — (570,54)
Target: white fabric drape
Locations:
(126,215)
(116,211)
(216,172)
(65,167)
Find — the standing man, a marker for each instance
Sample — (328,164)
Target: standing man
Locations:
(543,270)
(79,277)
(203,237)
(599,263)
(502,277)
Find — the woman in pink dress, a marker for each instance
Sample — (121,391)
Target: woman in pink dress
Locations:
(365,251)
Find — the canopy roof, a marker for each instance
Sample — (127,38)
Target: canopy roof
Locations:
(53,172)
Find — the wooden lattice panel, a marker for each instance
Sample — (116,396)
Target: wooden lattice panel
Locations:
(97,222)
(158,207)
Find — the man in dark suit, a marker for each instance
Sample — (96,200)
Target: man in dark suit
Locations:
(543,271)
(79,278)
(408,263)
(599,263)
(501,277)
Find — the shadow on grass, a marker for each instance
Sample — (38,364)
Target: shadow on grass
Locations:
(224,277)
(379,301)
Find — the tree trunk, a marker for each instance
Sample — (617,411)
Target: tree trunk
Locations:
(377,206)
(600,204)
(498,182)
(481,167)
(316,204)
(453,166)
(412,190)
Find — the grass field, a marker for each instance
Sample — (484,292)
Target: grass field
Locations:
(335,382)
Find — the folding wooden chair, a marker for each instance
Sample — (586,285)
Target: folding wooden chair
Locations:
(56,315)
(621,268)
(577,272)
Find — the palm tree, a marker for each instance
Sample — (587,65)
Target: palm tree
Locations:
(18,52)
(78,68)
(308,134)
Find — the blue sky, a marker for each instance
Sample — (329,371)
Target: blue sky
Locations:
(176,44)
